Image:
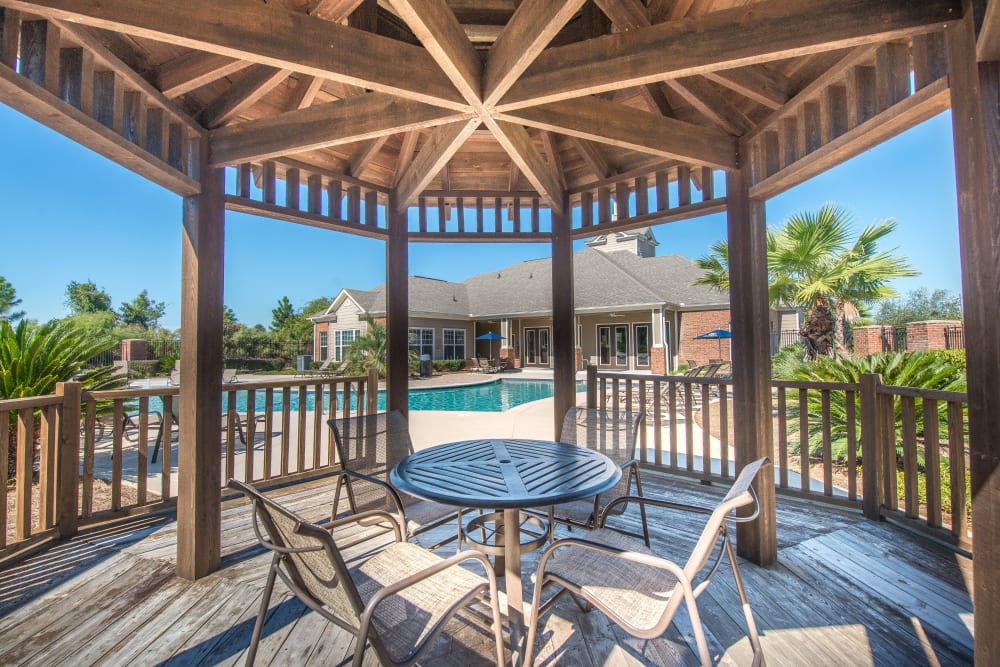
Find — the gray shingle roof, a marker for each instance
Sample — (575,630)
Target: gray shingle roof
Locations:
(602,280)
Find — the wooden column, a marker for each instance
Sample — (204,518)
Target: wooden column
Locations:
(756,541)
(199,518)
(563,318)
(68,458)
(397,304)
(975,100)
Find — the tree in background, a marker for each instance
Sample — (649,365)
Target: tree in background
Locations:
(230,325)
(282,315)
(813,265)
(920,305)
(9,301)
(87,298)
(290,324)
(142,311)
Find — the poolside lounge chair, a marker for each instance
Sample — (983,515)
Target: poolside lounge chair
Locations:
(175,377)
(397,601)
(484,365)
(368,447)
(638,589)
(166,426)
(229,375)
(614,434)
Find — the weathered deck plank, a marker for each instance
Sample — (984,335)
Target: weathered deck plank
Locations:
(844,592)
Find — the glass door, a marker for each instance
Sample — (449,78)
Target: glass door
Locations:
(621,345)
(641,335)
(543,347)
(604,346)
(530,347)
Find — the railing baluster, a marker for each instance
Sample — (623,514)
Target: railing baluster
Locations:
(724,428)
(301,440)
(46,469)
(782,438)
(672,409)
(286,422)
(231,436)
(142,441)
(248,434)
(117,432)
(804,440)
(910,481)
(23,470)
(956,461)
(4,439)
(689,426)
(889,457)
(827,445)
(268,429)
(657,422)
(850,398)
(317,422)
(641,402)
(932,462)
(706,431)
(166,451)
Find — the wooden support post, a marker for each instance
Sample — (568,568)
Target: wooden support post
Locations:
(199,510)
(68,458)
(591,387)
(397,297)
(563,314)
(975,97)
(756,541)
(871,447)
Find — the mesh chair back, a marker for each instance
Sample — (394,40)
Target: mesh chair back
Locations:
(610,432)
(371,445)
(739,495)
(310,556)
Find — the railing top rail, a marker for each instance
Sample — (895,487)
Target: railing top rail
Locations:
(680,379)
(823,386)
(172,390)
(30,402)
(915,392)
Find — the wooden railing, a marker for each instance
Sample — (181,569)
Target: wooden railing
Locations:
(105,454)
(914,458)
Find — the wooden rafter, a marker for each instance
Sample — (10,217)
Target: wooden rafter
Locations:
(710,103)
(305,93)
(331,124)
(332,10)
(530,29)
(627,127)
(364,154)
(756,82)
(442,144)
(592,155)
(193,70)
(257,82)
(552,155)
(260,33)
(406,150)
(435,25)
(529,160)
(766,31)
(988,43)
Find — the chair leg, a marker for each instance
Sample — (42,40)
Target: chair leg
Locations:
(699,631)
(536,605)
(642,506)
(758,653)
(265,600)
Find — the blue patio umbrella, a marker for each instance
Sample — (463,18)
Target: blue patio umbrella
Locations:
(490,336)
(718,335)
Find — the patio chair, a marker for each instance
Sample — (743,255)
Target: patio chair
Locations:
(614,434)
(368,447)
(167,426)
(175,378)
(638,589)
(229,375)
(397,601)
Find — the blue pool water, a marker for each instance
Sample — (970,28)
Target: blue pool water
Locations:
(497,396)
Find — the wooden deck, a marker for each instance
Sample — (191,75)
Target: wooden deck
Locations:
(845,591)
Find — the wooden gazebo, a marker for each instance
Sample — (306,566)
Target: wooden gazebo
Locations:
(508,120)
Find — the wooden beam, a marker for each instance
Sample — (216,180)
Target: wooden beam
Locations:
(193,70)
(619,125)
(35,102)
(765,31)
(332,10)
(406,151)
(364,154)
(306,91)
(710,103)
(434,154)
(305,218)
(268,35)
(975,89)
(319,126)
(915,109)
(257,82)
(656,99)
(625,14)
(988,44)
(104,56)
(751,356)
(397,289)
(563,318)
(552,155)
(529,31)
(199,504)
(675,214)
(435,25)
(594,158)
(522,151)
(755,82)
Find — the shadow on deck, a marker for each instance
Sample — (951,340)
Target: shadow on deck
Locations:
(845,591)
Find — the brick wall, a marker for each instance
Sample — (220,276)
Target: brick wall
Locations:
(698,322)
(658,360)
(928,335)
(317,328)
(868,340)
(135,349)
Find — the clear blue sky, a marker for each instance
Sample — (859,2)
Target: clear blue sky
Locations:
(70,214)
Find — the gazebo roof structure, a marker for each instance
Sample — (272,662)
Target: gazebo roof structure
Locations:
(521,120)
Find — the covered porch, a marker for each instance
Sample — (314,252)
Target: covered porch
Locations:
(432,121)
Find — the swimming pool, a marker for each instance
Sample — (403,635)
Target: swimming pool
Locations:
(497,396)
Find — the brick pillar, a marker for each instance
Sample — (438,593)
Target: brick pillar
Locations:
(658,360)
(868,340)
(134,349)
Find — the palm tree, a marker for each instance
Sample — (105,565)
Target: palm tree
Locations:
(369,351)
(813,265)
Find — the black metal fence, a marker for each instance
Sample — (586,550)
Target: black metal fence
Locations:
(783,339)
(894,339)
(106,358)
(243,355)
(954,338)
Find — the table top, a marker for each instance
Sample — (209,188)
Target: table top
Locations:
(505,473)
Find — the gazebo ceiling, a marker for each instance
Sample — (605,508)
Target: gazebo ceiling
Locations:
(549,96)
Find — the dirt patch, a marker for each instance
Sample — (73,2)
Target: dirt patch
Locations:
(102,501)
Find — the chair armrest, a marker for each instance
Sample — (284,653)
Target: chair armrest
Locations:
(633,556)
(666,504)
(363,516)
(347,472)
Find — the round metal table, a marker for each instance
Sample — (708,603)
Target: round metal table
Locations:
(508,474)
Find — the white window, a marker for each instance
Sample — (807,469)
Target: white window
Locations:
(342,340)
(422,341)
(454,343)
(323,345)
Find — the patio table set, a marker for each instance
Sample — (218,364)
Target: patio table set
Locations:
(400,599)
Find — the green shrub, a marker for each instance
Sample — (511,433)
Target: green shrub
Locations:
(448,364)
(144,369)
(167,362)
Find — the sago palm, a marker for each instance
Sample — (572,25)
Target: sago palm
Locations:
(813,265)
(370,351)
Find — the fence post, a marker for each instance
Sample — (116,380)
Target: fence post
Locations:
(68,458)
(591,387)
(372,394)
(871,447)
